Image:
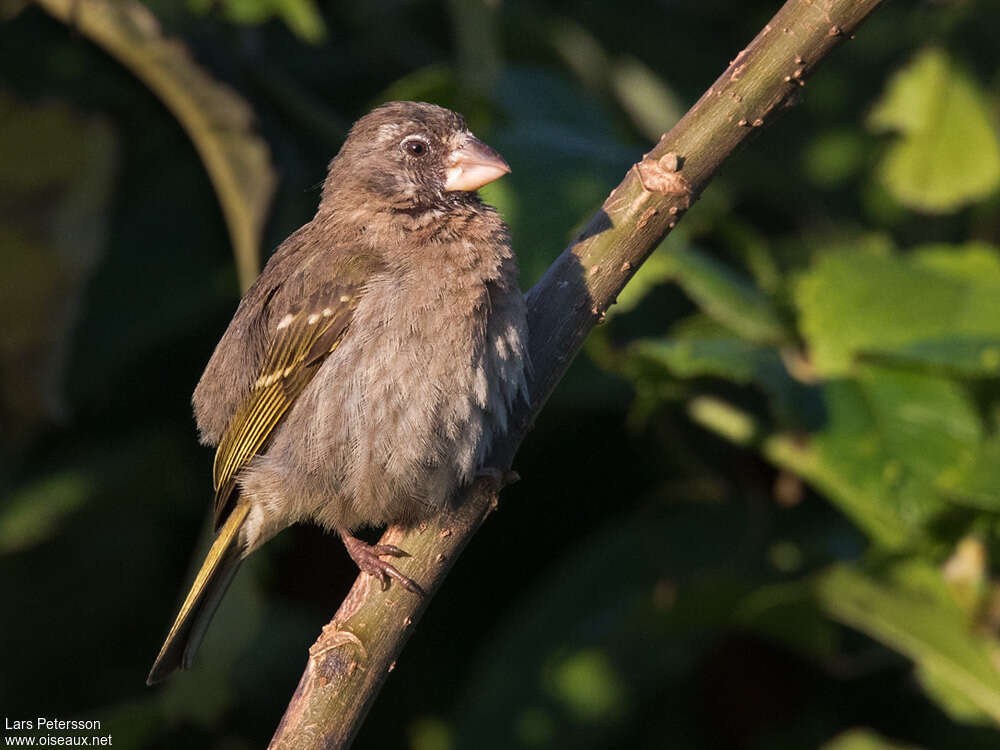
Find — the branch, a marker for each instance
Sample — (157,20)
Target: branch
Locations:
(358,648)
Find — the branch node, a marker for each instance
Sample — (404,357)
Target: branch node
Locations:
(334,637)
(663,176)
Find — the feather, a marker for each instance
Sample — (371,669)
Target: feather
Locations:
(301,341)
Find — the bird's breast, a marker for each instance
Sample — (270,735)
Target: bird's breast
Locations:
(424,384)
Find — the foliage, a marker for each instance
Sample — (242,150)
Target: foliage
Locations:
(760,512)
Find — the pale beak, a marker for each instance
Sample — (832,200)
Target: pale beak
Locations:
(472,166)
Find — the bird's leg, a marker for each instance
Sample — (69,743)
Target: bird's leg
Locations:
(369,559)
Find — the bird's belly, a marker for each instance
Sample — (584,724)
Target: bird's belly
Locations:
(417,430)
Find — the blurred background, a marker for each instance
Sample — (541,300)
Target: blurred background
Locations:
(759,512)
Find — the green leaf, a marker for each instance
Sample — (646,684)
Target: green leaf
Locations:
(301,16)
(218,121)
(730,358)
(588,685)
(927,423)
(850,461)
(729,298)
(972,261)
(864,739)
(833,157)
(977,484)
(955,702)
(904,609)
(947,152)
(892,448)
(845,465)
(648,100)
(655,271)
(34,513)
(57,171)
(573,664)
(786,613)
(429,733)
(565,160)
(853,303)
(969,356)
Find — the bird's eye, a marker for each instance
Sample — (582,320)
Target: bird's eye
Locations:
(415,146)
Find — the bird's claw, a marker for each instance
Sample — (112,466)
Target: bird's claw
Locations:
(368,559)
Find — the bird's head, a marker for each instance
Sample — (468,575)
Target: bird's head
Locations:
(412,156)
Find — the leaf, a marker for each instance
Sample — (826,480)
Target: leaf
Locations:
(564,158)
(955,702)
(428,733)
(891,450)
(33,513)
(591,644)
(854,303)
(647,99)
(649,102)
(973,261)
(730,358)
(700,347)
(588,685)
(218,121)
(580,51)
(301,16)
(726,296)
(57,169)
(846,468)
(947,153)
(927,423)
(786,613)
(833,157)
(476,36)
(908,609)
(849,461)
(969,357)
(653,272)
(863,739)
(978,484)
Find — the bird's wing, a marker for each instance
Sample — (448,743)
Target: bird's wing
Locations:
(300,342)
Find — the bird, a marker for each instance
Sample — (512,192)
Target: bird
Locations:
(373,363)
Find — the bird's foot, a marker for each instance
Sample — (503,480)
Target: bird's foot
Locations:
(368,558)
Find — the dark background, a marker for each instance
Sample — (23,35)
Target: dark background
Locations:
(649,583)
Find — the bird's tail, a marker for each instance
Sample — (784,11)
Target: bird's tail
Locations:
(221,564)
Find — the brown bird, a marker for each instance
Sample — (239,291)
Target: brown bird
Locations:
(367,371)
